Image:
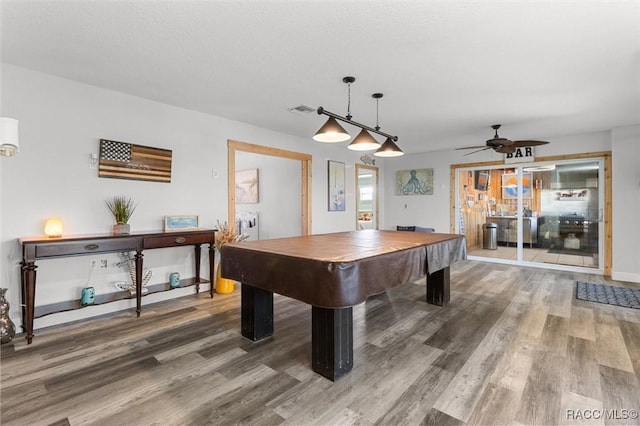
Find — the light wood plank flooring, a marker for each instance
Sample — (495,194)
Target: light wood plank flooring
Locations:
(513,347)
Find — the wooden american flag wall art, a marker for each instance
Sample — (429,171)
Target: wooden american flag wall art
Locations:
(121,160)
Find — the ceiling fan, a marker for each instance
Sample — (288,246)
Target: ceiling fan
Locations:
(502,145)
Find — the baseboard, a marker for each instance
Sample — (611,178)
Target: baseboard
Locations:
(625,276)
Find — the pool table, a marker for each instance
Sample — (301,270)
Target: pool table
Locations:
(333,273)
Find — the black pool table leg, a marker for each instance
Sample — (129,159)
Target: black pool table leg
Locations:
(332,341)
(438,292)
(256,310)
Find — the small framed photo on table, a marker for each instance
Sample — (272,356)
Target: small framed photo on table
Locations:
(180,223)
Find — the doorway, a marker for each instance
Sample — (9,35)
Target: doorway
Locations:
(237,149)
(549,213)
(366,197)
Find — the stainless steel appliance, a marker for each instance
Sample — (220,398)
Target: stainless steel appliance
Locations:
(574,224)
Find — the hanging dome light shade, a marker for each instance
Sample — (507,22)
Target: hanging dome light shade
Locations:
(364,142)
(388,149)
(331,132)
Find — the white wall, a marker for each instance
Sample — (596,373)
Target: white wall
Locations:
(279,204)
(61,122)
(626,202)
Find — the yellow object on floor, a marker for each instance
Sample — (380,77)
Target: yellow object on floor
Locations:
(223,285)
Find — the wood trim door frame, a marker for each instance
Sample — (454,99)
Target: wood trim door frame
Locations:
(305,174)
(376,170)
(608,229)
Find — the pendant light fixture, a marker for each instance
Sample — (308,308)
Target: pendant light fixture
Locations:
(332,131)
(364,141)
(388,148)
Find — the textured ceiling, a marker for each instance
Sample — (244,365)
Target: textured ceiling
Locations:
(448,70)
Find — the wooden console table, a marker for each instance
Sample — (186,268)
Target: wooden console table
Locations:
(34,248)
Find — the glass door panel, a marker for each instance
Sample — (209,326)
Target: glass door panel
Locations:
(547,214)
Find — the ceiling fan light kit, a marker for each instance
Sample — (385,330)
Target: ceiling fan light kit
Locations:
(502,145)
(332,131)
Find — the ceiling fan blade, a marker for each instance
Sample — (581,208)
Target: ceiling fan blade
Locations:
(520,144)
(472,147)
(483,149)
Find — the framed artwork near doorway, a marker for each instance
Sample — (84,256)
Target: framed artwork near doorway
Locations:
(336,186)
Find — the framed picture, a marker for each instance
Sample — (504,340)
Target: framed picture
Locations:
(180,223)
(336,186)
(510,186)
(482,180)
(415,182)
(122,160)
(247,187)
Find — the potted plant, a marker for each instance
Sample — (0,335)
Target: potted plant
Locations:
(121,208)
(224,235)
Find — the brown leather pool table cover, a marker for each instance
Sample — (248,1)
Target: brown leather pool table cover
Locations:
(341,269)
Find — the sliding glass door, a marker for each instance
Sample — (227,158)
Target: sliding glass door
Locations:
(547,214)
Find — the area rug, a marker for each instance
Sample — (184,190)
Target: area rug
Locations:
(609,294)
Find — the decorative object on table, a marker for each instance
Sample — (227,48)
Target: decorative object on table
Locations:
(121,160)
(336,186)
(53,227)
(128,263)
(225,234)
(180,223)
(7,327)
(368,160)
(121,208)
(609,294)
(247,186)
(87,296)
(414,182)
(174,279)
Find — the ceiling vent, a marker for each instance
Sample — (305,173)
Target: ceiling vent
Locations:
(302,110)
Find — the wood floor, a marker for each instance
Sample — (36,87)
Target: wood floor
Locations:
(513,347)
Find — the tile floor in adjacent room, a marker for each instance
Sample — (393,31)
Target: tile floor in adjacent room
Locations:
(540,255)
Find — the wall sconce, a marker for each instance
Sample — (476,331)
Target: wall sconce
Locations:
(53,228)
(9,143)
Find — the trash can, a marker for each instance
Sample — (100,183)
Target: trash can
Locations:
(490,236)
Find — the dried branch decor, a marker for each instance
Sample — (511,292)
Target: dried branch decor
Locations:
(225,235)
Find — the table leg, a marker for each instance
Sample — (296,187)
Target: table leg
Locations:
(332,341)
(197,259)
(438,291)
(138,257)
(256,310)
(212,273)
(28,298)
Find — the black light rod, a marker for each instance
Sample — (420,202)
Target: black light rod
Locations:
(353,123)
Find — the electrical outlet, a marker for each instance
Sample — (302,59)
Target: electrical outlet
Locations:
(103,263)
